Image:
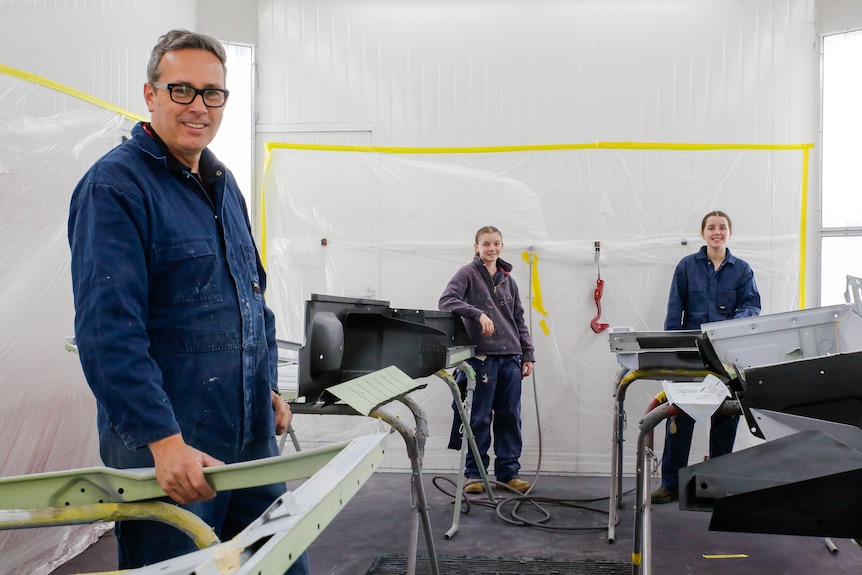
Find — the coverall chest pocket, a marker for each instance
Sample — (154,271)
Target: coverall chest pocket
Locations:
(186,272)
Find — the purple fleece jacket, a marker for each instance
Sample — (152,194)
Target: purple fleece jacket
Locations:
(472,291)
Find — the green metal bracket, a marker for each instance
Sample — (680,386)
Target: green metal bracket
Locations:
(106,485)
(281,534)
(334,474)
(186,521)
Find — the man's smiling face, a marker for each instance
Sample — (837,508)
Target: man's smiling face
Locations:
(186,129)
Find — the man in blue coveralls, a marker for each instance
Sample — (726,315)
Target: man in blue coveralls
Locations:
(174,335)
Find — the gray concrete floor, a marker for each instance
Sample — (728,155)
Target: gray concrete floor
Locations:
(378,520)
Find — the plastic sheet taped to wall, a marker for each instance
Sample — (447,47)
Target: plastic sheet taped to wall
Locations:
(48,138)
(394,224)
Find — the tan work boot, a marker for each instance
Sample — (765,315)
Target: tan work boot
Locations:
(474,486)
(518,484)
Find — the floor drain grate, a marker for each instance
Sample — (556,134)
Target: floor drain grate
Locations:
(397,565)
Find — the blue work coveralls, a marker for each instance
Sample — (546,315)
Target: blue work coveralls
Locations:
(173,332)
(701,294)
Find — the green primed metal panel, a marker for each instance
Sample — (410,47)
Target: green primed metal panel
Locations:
(107,485)
(368,392)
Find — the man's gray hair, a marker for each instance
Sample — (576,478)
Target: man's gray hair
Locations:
(178,40)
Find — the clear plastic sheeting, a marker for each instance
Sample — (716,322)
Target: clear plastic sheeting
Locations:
(47,415)
(396,226)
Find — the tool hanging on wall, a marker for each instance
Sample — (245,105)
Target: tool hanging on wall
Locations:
(597,294)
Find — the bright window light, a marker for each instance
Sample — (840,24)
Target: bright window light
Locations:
(233,144)
(841,243)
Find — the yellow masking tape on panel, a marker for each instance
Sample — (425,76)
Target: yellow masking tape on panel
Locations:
(805,148)
(533,261)
(538,147)
(262,239)
(70,91)
(803,227)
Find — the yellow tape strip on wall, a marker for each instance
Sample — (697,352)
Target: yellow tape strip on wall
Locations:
(20,74)
(532,260)
(805,148)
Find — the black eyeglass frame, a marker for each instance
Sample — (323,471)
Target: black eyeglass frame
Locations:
(198,92)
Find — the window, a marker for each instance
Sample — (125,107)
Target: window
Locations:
(233,144)
(841,184)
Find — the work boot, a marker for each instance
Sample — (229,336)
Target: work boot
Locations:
(474,486)
(664,495)
(518,484)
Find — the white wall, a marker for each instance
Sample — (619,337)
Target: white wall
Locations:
(490,73)
(835,16)
(96,47)
(486,72)
(437,73)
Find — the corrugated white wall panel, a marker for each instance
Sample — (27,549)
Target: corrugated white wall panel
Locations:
(482,72)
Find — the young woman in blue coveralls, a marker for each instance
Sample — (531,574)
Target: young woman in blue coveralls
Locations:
(708,285)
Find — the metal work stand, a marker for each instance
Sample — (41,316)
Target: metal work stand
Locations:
(642,544)
(468,441)
(370,395)
(644,355)
(623,380)
(415,440)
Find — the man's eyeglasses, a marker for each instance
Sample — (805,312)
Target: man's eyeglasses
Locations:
(182,94)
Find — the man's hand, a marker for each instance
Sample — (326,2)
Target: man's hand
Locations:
(526,368)
(487,324)
(283,415)
(179,469)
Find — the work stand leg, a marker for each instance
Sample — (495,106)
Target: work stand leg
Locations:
(415,441)
(468,440)
(642,548)
(615,500)
(623,379)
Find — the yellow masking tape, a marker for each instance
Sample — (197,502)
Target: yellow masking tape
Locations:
(803,227)
(262,239)
(533,261)
(70,91)
(534,280)
(805,148)
(727,556)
